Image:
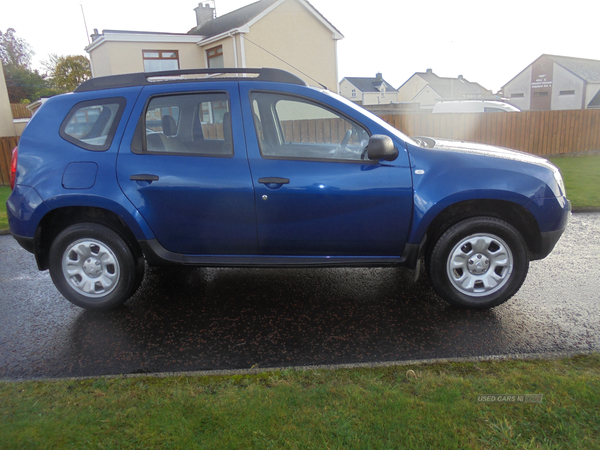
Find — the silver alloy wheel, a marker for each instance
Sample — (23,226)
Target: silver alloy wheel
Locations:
(91,268)
(480,265)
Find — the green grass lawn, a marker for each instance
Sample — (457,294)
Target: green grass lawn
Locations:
(428,406)
(4,193)
(582,179)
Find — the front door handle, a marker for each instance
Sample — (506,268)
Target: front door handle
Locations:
(144,177)
(274,180)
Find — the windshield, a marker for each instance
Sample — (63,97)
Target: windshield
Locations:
(399,134)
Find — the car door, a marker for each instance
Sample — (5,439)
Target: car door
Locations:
(184,167)
(317,194)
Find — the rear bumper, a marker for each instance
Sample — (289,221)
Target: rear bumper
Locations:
(25,209)
(25,242)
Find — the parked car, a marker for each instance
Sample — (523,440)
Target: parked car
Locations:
(473,106)
(265,171)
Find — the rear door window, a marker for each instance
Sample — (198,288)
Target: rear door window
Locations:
(92,124)
(195,124)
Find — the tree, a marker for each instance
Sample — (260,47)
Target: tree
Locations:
(14,51)
(70,72)
(63,73)
(50,64)
(22,82)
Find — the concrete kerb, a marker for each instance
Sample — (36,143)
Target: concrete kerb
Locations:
(586,209)
(329,367)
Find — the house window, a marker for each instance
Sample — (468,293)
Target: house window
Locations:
(158,60)
(517,95)
(215,57)
(353,93)
(541,94)
(569,92)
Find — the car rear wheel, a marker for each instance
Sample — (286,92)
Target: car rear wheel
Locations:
(93,266)
(480,262)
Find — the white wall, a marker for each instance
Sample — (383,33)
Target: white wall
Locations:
(7,127)
(563,80)
(409,90)
(346,89)
(294,34)
(591,91)
(120,53)
(427,98)
(521,84)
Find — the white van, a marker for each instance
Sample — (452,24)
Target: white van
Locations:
(473,106)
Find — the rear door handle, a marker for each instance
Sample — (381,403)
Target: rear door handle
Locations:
(144,177)
(274,180)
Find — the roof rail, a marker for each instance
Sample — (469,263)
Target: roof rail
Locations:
(170,76)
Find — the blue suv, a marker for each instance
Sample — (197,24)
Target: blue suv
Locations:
(253,168)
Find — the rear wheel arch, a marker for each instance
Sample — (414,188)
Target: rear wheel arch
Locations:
(58,219)
(93,266)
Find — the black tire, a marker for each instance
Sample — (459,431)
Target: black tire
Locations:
(94,267)
(478,263)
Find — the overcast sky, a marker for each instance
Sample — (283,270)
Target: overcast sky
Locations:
(486,41)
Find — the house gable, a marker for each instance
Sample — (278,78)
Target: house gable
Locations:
(427,97)
(426,87)
(370,85)
(350,91)
(291,36)
(368,91)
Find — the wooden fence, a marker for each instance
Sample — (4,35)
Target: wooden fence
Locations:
(19,111)
(6,146)
(545,133)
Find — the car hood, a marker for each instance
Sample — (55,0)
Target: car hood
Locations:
(482,150)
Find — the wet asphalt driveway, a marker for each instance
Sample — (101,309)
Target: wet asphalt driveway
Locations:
(207,319)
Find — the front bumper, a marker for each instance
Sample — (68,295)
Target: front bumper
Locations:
(550,238)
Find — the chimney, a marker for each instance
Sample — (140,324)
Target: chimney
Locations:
(379,77)
(429,71)
(204,13)
(96,35)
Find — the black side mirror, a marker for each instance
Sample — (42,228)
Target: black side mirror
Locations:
(381,147)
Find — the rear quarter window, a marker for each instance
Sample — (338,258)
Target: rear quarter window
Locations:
(92,124)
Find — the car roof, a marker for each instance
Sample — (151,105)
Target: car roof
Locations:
(186,76)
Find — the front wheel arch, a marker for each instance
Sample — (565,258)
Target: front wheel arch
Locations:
(514,214)
(478,263)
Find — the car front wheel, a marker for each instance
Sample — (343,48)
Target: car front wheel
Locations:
(93,266)
(480,262)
